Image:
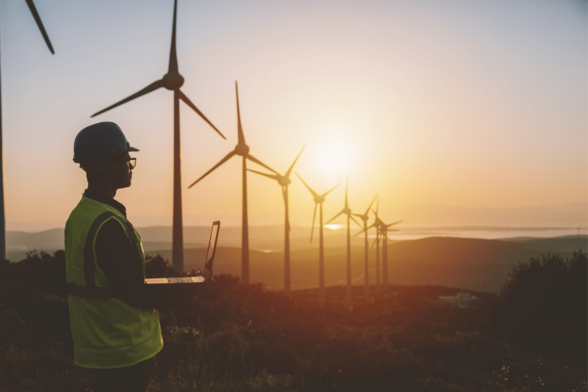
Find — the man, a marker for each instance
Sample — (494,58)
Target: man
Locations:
(114,321)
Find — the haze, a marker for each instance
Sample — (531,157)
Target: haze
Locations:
(458,103)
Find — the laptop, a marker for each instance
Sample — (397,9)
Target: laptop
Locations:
(207,273)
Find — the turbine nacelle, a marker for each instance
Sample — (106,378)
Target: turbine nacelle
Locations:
(242,149)
(173,80)
(284,181)
(319,199)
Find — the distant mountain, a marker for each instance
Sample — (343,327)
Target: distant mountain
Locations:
(565,215)
(263,238)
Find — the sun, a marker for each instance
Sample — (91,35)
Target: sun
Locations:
(333,157)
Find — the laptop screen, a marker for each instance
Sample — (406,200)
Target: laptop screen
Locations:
(212,242)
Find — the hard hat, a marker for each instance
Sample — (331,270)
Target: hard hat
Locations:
(99,141)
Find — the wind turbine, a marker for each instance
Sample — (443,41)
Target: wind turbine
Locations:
(242,150)
(319,200)
(37,18)
(377,224)
(384,229)
(381,228)
(364,217)
(347,211)
(284,181)
(172,80)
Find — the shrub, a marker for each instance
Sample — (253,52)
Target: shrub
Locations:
(543,306)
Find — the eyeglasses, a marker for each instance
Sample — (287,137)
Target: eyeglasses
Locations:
(132,162)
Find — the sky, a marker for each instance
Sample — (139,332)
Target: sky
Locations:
(459,103)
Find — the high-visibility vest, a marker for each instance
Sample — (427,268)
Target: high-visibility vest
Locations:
(107,332)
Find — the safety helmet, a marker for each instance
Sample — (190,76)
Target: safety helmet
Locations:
(100,141)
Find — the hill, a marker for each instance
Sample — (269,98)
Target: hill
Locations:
(473,264)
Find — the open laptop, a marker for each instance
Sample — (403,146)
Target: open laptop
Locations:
(207,273)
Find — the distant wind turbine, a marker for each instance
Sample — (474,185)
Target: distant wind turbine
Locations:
(347,211)
(172,80)
(377,224)
(384,229)
(319,200)
(37,18)
(364,217)
(242,150)
(284,181)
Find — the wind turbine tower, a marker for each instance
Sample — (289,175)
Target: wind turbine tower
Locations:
(319,200)
(241,149)
(364,217)
(172,81)
(284,181)
(37,18)
(384,229)
(347,211)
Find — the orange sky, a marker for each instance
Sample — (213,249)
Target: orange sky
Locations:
(425,103)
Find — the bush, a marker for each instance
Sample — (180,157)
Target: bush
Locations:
(543,306)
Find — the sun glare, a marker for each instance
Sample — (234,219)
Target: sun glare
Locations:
(333,226)
(333,157)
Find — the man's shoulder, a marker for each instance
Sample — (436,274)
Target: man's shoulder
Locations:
(86,212)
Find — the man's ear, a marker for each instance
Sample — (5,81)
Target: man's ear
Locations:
(114,167)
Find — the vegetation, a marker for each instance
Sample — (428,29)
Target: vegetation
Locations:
(230,336)
(543,306)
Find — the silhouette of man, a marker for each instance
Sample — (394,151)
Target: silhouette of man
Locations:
(114,317)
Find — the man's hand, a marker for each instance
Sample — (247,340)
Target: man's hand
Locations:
(157,266)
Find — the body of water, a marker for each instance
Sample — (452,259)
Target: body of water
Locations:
(489,233)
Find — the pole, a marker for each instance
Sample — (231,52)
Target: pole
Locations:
(367,279)
(177,232)
(287,287)
(385,263)
(245,230)
(378,262)
(2,215)
(321,260)
(348,299)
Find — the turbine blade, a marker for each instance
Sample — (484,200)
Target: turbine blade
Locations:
(287,175)
(40,24)
(374,243)
(353,219)
(273,177)
(368,209)
(152,87)
(260,163)
(329,191)
(240,134)
(395,223)
(363,231)
(307,187)
(187,101)
(173,58)
(346,186)
(313,218)
(330,220)
(226,158)
(377,206)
